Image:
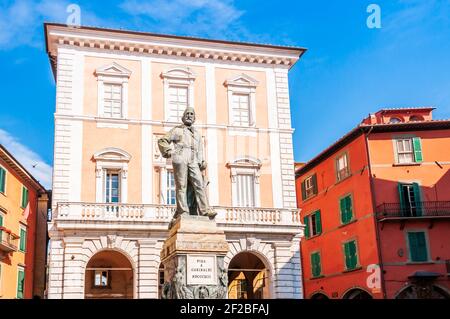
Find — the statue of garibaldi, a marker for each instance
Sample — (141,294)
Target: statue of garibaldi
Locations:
(188,164)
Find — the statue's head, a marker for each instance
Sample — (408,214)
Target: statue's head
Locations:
(188,116)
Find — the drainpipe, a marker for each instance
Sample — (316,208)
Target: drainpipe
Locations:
(372,193)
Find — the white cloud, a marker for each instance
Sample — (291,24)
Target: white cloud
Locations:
(21,21)
(28,158)
(215,18)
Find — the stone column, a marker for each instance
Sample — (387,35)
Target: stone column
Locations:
(55,268)
(284,284)
(74,269)
(147,269)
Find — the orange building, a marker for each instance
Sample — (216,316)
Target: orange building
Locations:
(376,207)
(23,235)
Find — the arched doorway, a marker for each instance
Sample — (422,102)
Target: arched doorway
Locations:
(357,293)
(319,296)
(422,292)
(109,274)
(248,277)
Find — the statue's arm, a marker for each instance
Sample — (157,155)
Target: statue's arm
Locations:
(164,145)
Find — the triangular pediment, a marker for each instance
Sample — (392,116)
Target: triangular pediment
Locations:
(242,80)
(113,69)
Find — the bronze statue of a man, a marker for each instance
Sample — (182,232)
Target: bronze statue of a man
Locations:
(188,164)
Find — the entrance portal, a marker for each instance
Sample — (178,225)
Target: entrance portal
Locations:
(248,277)
(109,274)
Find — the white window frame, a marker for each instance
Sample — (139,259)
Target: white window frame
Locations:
(107,171)
(243,85)
(178,76)
(398,153)
(309,191)
(111,159)
(113,74)
(247,166)
(101,272)
(25,228)
(347,167)
(163,171)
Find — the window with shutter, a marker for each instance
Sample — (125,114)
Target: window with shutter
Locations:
(313,224)
(316,267)
(23,239)
(346,209)
(417,246)
(342,167)
(306,222)
(351,256)
(20,283)
(409,150)
(2,180)
(417,149)
(309,187)
(24,197)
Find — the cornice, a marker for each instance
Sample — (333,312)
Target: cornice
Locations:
(167,46)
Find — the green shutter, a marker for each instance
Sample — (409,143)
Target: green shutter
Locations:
(418,200)
(353,255)
(417,149)
(417,246)
(349,208)
(303,191)
(20,284)
(1,220)
(306,222)
(400,197)
(351,258)
(342,208)
(318,223)
(347,255)
(315,264)
(314,182)
(23,239)
(2,180)
(346,209)
(24,197)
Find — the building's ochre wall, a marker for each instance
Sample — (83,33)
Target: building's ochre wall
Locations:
(13,217)
(336,281)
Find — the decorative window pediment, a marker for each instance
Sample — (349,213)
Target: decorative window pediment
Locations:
(111,168)
(242,100)
(242,80)
(245,173)
(112,83)
(113,69)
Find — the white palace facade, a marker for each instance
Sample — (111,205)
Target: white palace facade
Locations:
(113,194)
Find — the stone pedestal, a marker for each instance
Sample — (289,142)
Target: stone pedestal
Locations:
(193,259)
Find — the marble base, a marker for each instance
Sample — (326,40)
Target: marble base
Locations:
(193,260)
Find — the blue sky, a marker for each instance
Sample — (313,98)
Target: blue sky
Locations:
(348,71)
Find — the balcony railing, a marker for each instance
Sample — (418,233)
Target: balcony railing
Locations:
(8,241)
(164,213)
(435,209)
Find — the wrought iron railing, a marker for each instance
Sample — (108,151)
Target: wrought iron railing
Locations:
(415,210)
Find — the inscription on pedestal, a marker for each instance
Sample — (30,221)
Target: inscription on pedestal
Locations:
(201,270)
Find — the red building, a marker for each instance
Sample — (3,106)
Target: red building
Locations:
(376,205)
